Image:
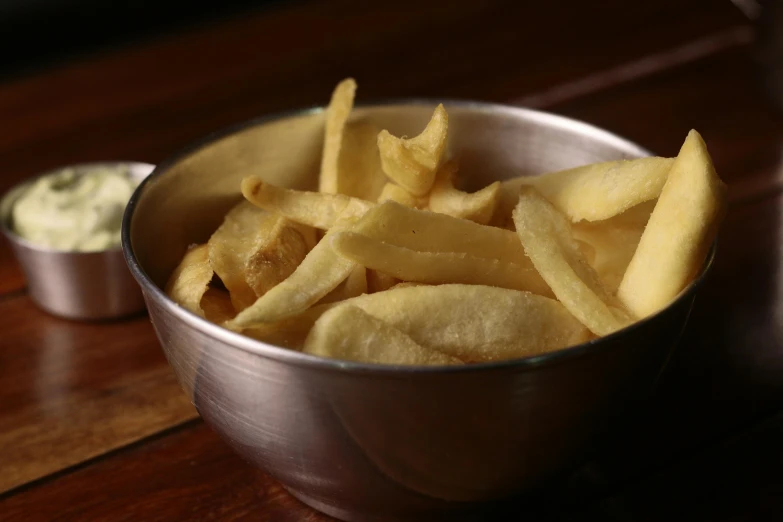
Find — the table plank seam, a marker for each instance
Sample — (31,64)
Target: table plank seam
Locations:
(639,69)
(42,481)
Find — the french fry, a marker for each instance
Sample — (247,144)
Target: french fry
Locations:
(394,192)
(435,267)
(547,238)
(348,333)
(354,285)
(189,281)
(216,305)
(612,242)
(321,271)
(379,281)
(432,232)
(314,209)
(412,163)
(445,199)
(253,250)
(337,114)
(360,174)
(592,192)
(681,229)
(290,332)
(475,323)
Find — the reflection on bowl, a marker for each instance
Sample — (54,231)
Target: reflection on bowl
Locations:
(75,285)
(367,442)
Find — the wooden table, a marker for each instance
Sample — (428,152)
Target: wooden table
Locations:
(92,423)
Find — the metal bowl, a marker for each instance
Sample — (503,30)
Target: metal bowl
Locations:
(75,285)
(369,442)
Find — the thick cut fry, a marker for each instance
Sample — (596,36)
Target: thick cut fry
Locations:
(379,281)
(354,285)
(592,192)
(612,242)
(190,280)
(445,199)
(681,229)
(474,249)
(308,208)
(291,332)
(360,174)
(348,333)
(435,267)
(216,305)
(337,114)
(412,163)
(547,238)
(394,192)
(253,250)
(432,232)
(321,272)
(475,323)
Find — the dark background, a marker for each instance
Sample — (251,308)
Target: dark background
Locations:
(39,33)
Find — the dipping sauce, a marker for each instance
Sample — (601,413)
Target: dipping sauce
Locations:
(73,210)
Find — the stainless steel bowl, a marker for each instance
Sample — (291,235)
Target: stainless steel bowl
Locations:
(367,442)
(75,285)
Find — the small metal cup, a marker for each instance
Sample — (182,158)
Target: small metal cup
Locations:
(75,285)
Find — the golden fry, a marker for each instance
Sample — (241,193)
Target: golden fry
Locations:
(475,323)
(253,250)
(216,305)
(394,192)
(321,271)
(593,192)
(314,209)
(348,333)
(412,163)
(681,229)
(190,280)
(337,114)
(434,267)
(360,174)
(445,199)
(547,238)
(612,242)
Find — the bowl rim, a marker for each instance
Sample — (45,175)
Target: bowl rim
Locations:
(9,198)
(298,358)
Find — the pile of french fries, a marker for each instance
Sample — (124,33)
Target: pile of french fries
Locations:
(390,263)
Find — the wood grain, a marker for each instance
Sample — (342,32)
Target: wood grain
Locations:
(190,475)
(70,391)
